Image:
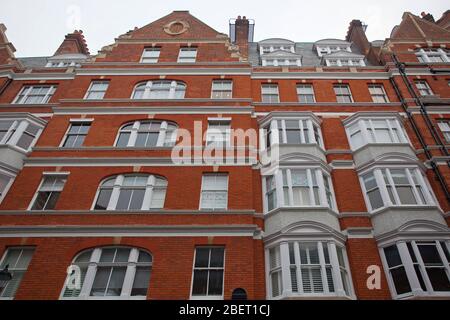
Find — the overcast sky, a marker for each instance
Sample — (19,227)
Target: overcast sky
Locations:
(37,27)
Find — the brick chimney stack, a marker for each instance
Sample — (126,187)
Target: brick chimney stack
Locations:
(357,34)
(242,33)
(73,43)
(428,17)
(6,48)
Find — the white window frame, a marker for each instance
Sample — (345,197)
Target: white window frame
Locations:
(305,86)
(215,191)
(12,269)
(8,184)
(187,58)
(319,174)
(409,265)
(278,135)
(444,126)
(285,268)
(270,87)
(345,62)
(365,126)
(162,137)
(281,62)
(63,64)
(62,175)
(154,59)
(377,172)
(208,297)
(340,93)
(375,95)
(148,90)
(212,132)
(17,129)
(117,187)
(423,87)
(328,49)
(127,286)
(67,134)
(424,55)
(222,94)
(91,89)
(24,93)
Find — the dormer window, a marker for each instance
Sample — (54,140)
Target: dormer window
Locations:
(433,56)
(345,62)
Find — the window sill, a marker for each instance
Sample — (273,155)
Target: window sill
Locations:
(304,208)
(105,298)
(294,296)
(404,207)
(206,298)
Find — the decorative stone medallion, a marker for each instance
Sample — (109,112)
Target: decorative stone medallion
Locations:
(176,27)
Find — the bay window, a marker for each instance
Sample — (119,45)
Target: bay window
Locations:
(21,133)
(131,192)
(159,90)
(375,130)
(110,273)
(304,187)
(147,134)
(294,131)
(5,183)
(385,187)
(308,268)
(418,268)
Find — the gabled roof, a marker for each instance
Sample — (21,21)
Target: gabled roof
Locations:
(413,27)
(280,53)
(343,54)
(178,24)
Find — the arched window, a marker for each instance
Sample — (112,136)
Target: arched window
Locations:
(109,273)
(159,90)
(147,134)
(131,192)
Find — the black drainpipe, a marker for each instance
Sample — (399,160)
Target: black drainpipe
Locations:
(415,127)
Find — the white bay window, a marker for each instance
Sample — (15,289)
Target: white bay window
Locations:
(304,187)
(375,130)
(418,268)
(21,133)
(306,268)
(385,187)
(293,131)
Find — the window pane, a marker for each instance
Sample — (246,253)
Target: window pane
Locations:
(400,280)
(124,200)
(215,282)
(137,200)
(25,141)
(41,200)
(439,279)
(199,285)
(100,281)
(116,282)
(123,140)
(376,201)
(202,257)
(392,256)
(103,199)
(141,281)
(217,255)
(429,254)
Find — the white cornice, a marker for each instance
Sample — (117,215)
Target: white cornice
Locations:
(130,231)
(154,110)
(133,161)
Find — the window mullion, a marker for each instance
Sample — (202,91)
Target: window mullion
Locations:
(285,269)
(323,269)
(173,86)
(298,267)
(148,195)
(443,258)
(290,189)
(423,270)
(283,133)
(321,184)
(130,273)
(279,188)
(336,269)
(147,90)
(383,188)
(365,133)
(90,273)
(425,189)
(162,134)
(414,188)
(310,187)
(393,187)
(133,134)
(407,262)
(21,127)
(302,133)
(311,135)
(275,133)
(115,193)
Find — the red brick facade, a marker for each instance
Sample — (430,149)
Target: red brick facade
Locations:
(255,238)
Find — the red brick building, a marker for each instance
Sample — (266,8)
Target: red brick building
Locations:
(122,175)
